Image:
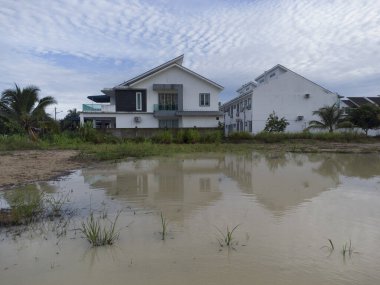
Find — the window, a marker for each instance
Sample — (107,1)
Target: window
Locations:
(261,81)
(249,104)
(204,99)
(138,101)
(167,101)
(272,75)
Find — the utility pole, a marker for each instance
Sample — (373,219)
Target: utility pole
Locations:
(55,113)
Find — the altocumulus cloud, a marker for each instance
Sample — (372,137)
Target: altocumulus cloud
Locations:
(71,48)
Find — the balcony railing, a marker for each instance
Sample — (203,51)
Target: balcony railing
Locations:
(98,108)
(165,107)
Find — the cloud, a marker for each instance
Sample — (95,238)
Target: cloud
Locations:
(231,42)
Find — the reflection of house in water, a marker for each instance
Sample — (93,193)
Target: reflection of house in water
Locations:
(279,181)
(175,186)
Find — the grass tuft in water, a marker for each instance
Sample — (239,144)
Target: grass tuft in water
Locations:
(99,234)
(330,247)
(164,226)
(227,238)
(347,249)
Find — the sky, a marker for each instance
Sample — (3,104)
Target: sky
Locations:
(71,49)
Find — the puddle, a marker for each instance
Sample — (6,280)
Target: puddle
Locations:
(287,206)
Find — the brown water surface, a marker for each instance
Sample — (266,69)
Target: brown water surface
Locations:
(287,206)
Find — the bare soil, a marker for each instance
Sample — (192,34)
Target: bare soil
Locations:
(21,167)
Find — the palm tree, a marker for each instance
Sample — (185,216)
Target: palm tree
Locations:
(24,108)
(330,116)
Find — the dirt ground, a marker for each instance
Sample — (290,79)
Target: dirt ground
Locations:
(21,167)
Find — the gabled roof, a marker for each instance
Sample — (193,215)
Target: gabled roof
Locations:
(177,60)
(270,70)
(174,62)
(287,69)
(99,98)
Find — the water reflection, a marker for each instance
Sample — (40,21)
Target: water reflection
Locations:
(280,181)
(176,185)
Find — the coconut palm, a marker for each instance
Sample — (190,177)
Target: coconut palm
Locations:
(330,117)
(24,108)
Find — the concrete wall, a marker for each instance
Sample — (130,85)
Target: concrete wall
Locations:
(148,132)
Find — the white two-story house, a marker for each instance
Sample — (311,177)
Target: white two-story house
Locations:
(284,92)
(167,96)
(238,111)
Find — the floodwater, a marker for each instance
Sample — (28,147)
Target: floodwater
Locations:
(287,206)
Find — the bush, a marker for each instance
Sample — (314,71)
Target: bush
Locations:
(164,137)
(180,136)
(16,142)
(212,137)
(192,136)
(275,124)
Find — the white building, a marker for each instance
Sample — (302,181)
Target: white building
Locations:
(238,111)
(167,96)
(283,91)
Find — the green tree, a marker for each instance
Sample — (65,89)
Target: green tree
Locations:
(365,117)
(71,120)
(22,107)
(275,124)
(331,117)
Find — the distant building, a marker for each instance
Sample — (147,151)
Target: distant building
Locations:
(238,111)
(167,96)
(281,90)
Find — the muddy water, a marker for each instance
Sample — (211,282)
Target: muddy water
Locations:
(287,206)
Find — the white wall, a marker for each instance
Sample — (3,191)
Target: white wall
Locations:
(285,94)
(124,120)
(192,86)
(199,122)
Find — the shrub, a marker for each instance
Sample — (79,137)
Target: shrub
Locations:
(164,137)
(180,136)
(192,136)
(212,137)
(16,142)
(275,124)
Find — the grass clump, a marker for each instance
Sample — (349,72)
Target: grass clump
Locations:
(164,226)
(25,206)
(240,136)
(212,137)
(164,137)
(347,249)
(28,204)
(227,238)
(330,246)
(98,234)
